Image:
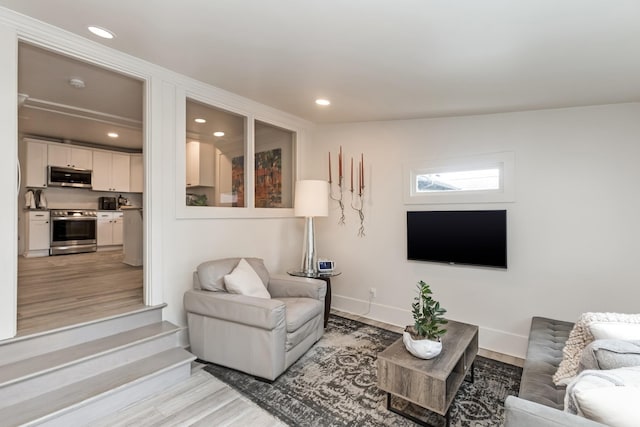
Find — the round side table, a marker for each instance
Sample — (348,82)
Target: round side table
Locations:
(326,276)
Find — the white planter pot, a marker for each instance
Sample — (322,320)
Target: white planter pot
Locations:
(424,349)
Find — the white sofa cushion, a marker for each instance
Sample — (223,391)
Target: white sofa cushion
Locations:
(609,397)
(244,280)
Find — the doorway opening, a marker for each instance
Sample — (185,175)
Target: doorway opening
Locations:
(76,116)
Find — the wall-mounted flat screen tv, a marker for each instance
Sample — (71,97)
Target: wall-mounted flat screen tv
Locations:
(458,237)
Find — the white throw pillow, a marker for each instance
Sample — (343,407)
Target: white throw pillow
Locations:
(615,331)
(244,280)
(610,397)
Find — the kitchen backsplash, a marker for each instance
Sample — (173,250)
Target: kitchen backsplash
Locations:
(77,198)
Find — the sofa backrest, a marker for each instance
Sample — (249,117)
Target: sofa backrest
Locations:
(209,275)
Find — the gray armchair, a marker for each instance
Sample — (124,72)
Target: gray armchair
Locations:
(261,337)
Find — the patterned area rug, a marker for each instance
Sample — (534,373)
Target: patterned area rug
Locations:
(335,384)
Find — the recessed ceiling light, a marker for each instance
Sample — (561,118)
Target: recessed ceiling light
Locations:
(112,135)
(101,32)
(200,120)
(218,134)
(76,82)
(323,102)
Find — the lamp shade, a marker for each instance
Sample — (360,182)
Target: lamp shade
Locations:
(311,198)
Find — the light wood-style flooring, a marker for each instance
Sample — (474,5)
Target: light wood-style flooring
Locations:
(201,401)
(63,290)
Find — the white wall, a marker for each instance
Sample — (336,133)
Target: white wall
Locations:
(573,231)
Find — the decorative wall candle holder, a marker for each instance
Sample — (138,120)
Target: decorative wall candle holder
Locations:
(357,202)
(338,198)
(357,194)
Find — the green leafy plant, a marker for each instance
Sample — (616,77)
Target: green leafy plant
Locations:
(427,315)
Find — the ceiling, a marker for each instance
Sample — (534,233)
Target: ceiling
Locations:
(53,108)
(378,60)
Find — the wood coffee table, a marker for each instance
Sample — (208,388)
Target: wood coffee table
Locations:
(431,384)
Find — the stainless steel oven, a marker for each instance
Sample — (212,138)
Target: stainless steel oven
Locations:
(73,231)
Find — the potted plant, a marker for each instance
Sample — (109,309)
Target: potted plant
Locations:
(422,339)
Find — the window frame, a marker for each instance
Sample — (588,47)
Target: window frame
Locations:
(504,161)
(249,210)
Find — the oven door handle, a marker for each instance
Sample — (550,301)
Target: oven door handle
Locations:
(74,218)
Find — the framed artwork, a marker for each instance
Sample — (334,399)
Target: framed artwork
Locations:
(268,179)
(237,181)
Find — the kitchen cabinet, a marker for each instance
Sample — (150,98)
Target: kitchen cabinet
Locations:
(111,171)
(37,234)
(136,179)
(70,157)
(200,164)
(35,165)
(109,230)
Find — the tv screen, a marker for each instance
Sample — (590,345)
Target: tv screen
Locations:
(458,237)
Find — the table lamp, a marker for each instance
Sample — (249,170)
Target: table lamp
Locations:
(311,200)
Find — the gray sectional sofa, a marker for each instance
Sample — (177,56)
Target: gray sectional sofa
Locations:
(540,402)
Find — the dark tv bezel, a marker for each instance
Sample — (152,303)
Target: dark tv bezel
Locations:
(463,263)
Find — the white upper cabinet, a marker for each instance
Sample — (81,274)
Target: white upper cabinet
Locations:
(35,167)
(101,179)
(200,164)
(110,171)
(120,170)
(136,179)
(70,157)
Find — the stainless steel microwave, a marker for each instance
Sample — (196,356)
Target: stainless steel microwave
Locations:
(68,177)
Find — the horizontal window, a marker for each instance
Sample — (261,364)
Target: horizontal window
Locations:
(479,179)
(468,180)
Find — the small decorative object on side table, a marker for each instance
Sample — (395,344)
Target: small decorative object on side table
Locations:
(326,276)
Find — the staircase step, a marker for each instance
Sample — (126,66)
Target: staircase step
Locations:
(80,402)
(19,348)
(25,379)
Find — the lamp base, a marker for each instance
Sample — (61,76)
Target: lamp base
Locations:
(309,256)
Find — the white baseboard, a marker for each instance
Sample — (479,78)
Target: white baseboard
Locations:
(489,339)
(374,311)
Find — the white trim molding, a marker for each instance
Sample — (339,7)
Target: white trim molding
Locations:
(251,114)
(9,172)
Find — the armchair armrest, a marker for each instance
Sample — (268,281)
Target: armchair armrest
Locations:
(524,413)
(258,312)
(283,286)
